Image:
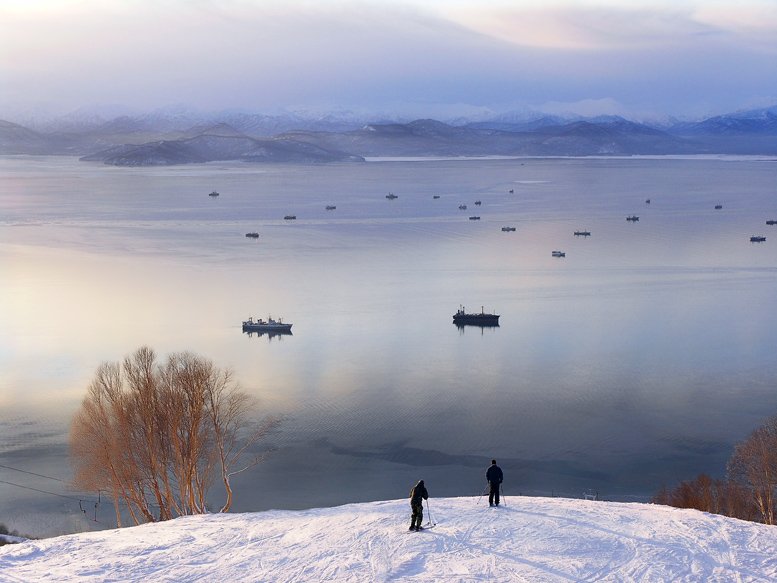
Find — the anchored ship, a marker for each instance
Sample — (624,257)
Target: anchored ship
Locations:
(269,325)
(461,318)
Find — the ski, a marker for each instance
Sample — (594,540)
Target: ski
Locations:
(426,527)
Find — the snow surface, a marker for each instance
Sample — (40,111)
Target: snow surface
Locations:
(528,539)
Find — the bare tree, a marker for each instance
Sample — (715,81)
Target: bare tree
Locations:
(156,435)
(716,496)
(754,465)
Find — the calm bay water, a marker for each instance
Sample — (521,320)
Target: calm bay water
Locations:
(637,360)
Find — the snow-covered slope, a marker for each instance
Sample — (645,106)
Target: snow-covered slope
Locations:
(528,539)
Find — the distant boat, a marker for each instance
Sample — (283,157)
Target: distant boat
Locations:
(632,218)
(269,325)
(330,207)
(582,233)
(461,318)
(511,191)
(647,201)
(391,196)
(770,222)
(478,203)
(474,218)
(508,229)
(558,254)
(214,194)
(718,207)
(290,217)
(757,239)
(252,235)
(462,207)
(436,196)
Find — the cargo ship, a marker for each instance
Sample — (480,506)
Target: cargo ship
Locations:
(268,325)
(461,318)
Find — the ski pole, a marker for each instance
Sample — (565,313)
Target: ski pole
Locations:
(504,500)
(429,512)
(483,493)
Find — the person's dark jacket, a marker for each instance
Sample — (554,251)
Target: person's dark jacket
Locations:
(418,493)
(494,474)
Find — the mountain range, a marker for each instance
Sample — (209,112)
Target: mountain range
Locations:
(179,137)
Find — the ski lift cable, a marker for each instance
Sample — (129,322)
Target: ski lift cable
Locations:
(45,491)
(79,500)
(31,473)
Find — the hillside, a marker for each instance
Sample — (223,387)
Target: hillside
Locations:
(185,139)
(212,146)
(528,539)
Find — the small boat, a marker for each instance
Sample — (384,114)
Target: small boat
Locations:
(770,222)
(252,235)
(268,325)
(582,233)
(330,207)
(632,218)
(647,201)
(462,207)
(474,218)
(757,239)
(391,196)
(436,196)
(478,203)
(461,318)
(508,229)
(290,218)
(213,194)
(558,254)
(718,207)
(511,191)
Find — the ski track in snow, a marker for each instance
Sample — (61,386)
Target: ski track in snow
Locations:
(529,539)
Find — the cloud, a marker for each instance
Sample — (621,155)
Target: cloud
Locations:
(587,107)
(267,55)
(745,17)
(609,24)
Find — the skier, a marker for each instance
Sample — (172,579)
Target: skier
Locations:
(417,496)
(494,476)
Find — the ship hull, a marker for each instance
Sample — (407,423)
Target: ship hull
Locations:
(279,328)
(476,319)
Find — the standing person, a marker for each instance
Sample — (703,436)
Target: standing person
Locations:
(417,496)
(494,476)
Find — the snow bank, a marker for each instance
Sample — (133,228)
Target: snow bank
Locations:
(530,539)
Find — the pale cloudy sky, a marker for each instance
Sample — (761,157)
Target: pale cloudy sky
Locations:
(418,57)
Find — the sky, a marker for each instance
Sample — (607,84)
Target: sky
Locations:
(436,58)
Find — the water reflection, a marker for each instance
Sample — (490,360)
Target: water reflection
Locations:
(637,361)
(270,334)
(481,325)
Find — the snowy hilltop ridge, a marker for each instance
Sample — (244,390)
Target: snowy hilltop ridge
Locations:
(527,539)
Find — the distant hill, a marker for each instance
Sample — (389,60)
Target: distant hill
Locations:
(16,139)
(177,136)
(747,132)
(219,143)
(434,138)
